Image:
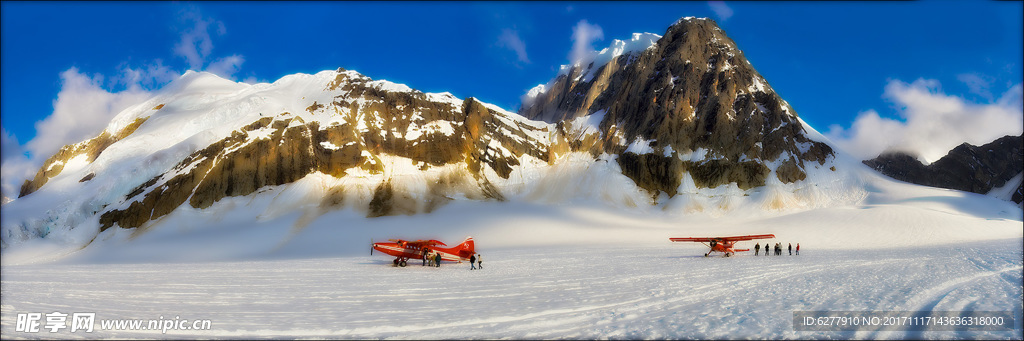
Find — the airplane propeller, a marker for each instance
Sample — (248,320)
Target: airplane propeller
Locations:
(371,246)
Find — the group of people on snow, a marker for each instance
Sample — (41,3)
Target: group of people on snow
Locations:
(778,249)
(476,261)
(433,257)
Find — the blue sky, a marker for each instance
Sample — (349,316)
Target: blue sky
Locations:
(848,68)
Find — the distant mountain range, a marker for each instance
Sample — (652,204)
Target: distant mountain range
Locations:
(996,166)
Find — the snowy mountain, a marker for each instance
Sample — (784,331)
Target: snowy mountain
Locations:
(388,148)
(995,168)
(683,107)
(679,124)
(253,207)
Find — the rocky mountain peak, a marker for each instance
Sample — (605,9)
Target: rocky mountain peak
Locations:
(635,124)
(692,103)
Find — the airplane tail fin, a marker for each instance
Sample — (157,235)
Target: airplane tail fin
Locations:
(468,245)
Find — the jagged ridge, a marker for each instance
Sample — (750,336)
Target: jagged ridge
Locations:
(687,113)
(693,92)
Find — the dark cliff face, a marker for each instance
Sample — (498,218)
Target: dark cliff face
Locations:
(976,169)
(693,90)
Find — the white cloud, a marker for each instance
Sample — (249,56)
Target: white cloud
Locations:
(196,44)
(147,77)
(931,123)
(15,167)
(10,145)
(583,36)
(81,111)
(977,84)
(83,108)
(227,66)
(722,11)
(14,172)
(509,39)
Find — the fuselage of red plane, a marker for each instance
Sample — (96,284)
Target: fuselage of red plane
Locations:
(404,250)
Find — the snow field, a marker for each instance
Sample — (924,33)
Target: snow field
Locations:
(583,291)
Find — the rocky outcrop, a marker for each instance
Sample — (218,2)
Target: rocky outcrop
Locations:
(688,107)
(90,148)
(692,91)
(969,168)
(373,123)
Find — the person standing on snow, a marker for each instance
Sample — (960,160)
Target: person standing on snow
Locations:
(437,259)
(757,247)
(472,262)
(790,249)
(479,261)
(797,249)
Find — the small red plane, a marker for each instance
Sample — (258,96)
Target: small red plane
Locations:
(404,250)
(723,244)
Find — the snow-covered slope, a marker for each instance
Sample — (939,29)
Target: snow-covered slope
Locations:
(203,138)
(337,140)
(210,169)
(287,221)
(254,206)
(1009,190)
(994,168)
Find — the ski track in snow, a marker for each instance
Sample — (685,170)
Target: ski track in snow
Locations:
(652,292)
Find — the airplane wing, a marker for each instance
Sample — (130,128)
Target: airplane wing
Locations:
(731,239)
(749,237)
(419,243)
(693,239)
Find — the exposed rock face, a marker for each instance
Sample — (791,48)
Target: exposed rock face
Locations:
(691,91)
(688,107)
(976,169)
(90,149)
(373,122)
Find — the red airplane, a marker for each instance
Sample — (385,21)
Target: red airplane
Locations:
(723,244)
(404,250)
